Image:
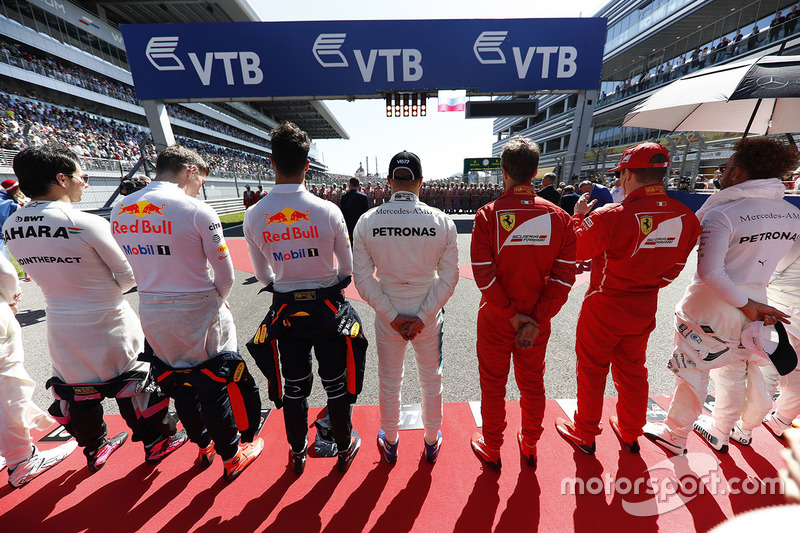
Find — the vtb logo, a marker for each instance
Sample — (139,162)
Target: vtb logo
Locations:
(488,52)
(141,209)
(287,216)
(160,51)
(327,51)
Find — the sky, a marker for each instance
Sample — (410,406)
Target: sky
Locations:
(441,140)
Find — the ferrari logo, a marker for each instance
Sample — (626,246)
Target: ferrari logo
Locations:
(508,221)
(646,224)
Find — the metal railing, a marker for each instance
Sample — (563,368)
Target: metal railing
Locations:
(222,206)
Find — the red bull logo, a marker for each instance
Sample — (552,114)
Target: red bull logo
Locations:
(287,216)
(141,209)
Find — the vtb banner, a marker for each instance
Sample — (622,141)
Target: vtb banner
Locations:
(359,58)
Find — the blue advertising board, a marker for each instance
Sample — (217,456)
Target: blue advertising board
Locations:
(334,59)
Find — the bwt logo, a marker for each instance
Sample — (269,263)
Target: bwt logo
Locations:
(160,52)
(488,52)
(328,53)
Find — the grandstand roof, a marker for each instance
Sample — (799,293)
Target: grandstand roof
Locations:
(314,117)
(158,11)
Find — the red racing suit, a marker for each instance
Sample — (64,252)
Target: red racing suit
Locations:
(636,247)
(523,260)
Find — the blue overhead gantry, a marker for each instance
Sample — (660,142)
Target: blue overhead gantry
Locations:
(235,61)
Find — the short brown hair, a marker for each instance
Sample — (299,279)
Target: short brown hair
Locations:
(175,157)
(765,157)
(290,146)
(520,158)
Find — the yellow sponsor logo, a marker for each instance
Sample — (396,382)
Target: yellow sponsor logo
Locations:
(287,216)
(239,371)
(83,391)
(646,224)
(508,221)
(223,248)
(354,330)
(141,209)
(304,296)
(262,334)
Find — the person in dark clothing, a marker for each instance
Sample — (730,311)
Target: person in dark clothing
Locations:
(568,199)
(548,190)
(775,26)
(354,203)
(752,40)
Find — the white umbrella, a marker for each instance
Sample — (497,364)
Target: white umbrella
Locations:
(755,95)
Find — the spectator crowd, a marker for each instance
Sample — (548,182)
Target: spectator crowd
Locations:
(19,56)
(27,122)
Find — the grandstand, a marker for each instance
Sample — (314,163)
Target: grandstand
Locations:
(64,77)
(649,45)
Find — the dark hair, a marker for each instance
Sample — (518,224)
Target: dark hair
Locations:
(403,174)
(290,147)
(175,157)
(651,175)
(354,182)
(764,157)
(520,158)
(37,167)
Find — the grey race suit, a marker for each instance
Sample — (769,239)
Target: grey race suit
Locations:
(405,261)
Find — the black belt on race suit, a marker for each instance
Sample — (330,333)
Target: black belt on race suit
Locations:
(125,385)
(309,314)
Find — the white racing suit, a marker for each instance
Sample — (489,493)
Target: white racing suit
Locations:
(700,352)
(784,293)
(412,249)
(93,335)
(165,318)
(19,414)
(747,228)
(184,272)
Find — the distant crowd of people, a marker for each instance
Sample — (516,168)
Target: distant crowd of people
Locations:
(704,56)
(449,197)
(19,56)
(27,122)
